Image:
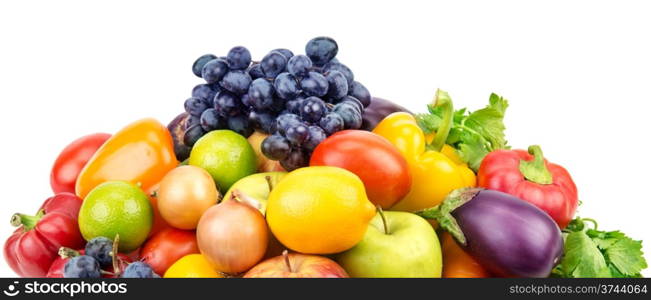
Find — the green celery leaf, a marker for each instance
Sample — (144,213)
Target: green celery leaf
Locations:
(582,257)
(627,256)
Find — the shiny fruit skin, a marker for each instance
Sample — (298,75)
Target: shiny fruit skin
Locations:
(166,247)
(319,210)
(410,249)
(257,187)
(457,263)
(185,193)
(192,266)
(232,236)
(72,160)
(117,207)
(226,155)
(377,162)
(303,266)
(141,153)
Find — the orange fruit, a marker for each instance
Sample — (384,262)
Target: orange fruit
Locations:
(319,210)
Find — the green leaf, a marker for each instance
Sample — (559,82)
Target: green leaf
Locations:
(626,255)
(583,258)
(473,134)
(428,122)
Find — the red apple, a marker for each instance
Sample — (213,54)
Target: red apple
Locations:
(296,265)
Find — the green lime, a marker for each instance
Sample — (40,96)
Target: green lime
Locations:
(226,155)
(117,207)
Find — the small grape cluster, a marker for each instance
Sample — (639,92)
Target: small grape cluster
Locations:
(98,255)
(298,99)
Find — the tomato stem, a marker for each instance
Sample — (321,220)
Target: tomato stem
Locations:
(28,222)
(286,257)
(442,99)
(384,219)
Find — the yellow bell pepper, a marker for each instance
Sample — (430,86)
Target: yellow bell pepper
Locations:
(436,170)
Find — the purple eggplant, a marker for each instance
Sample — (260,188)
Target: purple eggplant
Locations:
(176,129)
(378,110)
(506,235)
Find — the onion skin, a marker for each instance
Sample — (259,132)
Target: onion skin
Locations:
(185,194)
(232,236)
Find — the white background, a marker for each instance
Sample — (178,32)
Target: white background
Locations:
(577,74)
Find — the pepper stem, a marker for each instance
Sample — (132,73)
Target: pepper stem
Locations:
(384,219)
(535,170)
(442,99)
(28,222)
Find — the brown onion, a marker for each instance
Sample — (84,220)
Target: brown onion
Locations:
(233,235)
(185,194)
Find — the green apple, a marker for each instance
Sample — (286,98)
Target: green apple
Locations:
(257,187)
(401,244)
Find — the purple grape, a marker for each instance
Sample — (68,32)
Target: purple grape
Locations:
(286,86)
(285,121)
(312,109)
(297,134)
(204,91)
(337,85)
(331,123)
(195,106)
(238,58)
(275,147)
(354,101)
(211,120)
(285,52)
(361,93)
(255,71)
(263,121)
(299,65)
(227,104)
(297,158)
(198,64)
(214,70)
(260,94)
(336,66)
(314,84)
(241,125)
(321,50)
(350,114)
(192,135)
(315,136)
(273,64)
(236,82)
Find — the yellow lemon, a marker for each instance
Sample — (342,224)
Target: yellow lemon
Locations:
(319,210)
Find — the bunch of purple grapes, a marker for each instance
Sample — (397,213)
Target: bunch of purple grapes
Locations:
(298,99)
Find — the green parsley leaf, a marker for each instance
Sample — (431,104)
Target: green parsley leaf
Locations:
(583,258)
(595,253)
(626,256)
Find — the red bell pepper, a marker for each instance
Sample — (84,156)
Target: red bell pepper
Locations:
(30,250)
(528,176)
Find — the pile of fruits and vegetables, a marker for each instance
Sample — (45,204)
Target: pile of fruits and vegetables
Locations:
(287,167)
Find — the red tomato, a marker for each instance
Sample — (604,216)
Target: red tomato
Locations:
(377,162)
(72,159)
(166,247)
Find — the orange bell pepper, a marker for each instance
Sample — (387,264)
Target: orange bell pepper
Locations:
(457,263)
(141,153)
